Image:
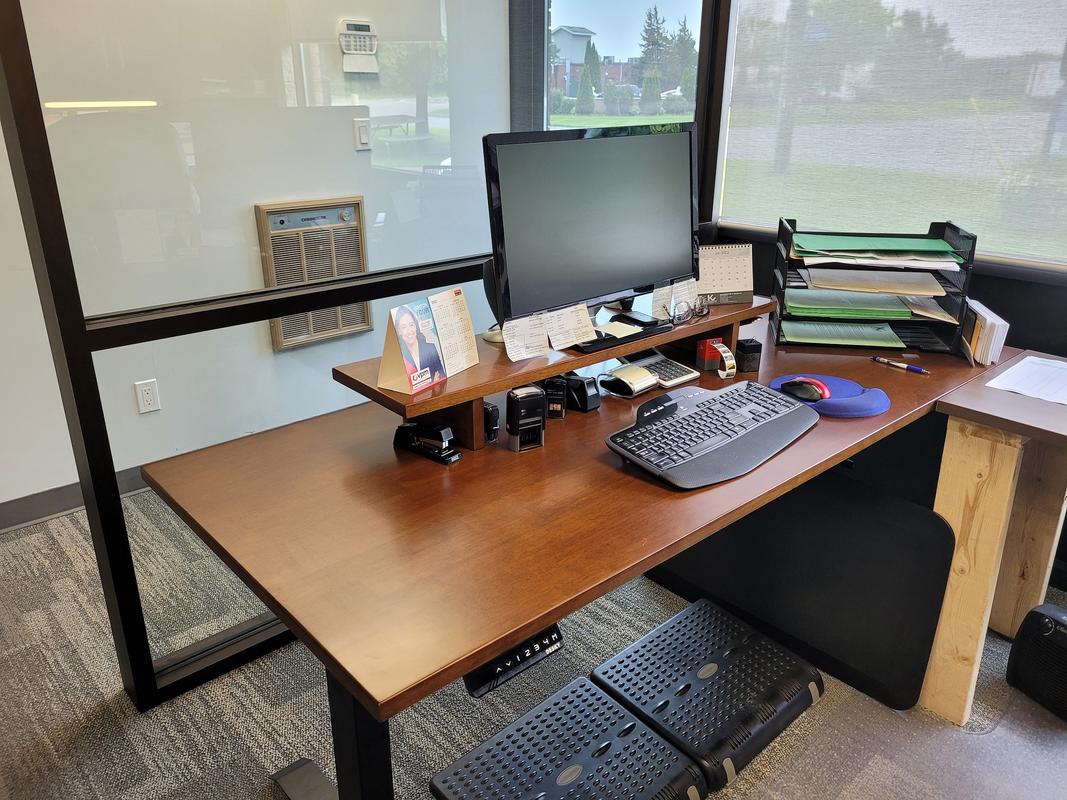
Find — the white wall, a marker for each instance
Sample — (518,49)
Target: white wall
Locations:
(158,202)
(34,448)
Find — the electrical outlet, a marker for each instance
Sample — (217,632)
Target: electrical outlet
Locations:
(147,393)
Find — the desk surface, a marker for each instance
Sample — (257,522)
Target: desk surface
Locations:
(402,575)
(1038,419)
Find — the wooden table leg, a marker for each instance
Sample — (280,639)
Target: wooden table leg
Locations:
(361,751)
(979,471)
(1033,533)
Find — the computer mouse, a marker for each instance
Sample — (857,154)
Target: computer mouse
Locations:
(802,390)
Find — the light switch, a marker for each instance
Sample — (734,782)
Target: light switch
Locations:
(361,133)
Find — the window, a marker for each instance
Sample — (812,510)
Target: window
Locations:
(869,115)
(168,121)
(644,59)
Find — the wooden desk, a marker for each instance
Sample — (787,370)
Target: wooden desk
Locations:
(402,575)
(1003,489)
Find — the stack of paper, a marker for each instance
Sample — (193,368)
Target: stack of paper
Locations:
(856,279)
(844,333)
(901,252)
(984,333)
(919,284)
(838,304)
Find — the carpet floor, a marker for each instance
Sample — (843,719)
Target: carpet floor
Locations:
(68,731)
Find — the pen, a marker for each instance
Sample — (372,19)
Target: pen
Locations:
(900,365)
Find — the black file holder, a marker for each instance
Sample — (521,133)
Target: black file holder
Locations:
(917,333)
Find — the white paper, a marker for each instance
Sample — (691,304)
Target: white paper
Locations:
(455,332)
(927,307)
(686,292)
(619,329)
(1042,378)
(661,302)
(919,284)
(946,265)
(526,337)
(569,326)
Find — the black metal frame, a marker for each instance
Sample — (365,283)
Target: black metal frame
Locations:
(361,742)
(73,338)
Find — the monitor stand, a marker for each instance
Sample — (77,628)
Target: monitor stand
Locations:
(631,317)
(495,335)
(603,341)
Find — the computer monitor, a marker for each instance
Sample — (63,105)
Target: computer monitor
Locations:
(593,215)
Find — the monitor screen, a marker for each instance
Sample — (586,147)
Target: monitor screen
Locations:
(583,215)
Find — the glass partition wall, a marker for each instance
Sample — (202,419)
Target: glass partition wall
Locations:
(169,121)
(157,152)
(200,180)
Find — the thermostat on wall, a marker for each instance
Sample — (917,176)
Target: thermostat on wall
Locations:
(359,46)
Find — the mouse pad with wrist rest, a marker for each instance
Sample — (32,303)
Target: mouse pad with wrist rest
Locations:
(847,398)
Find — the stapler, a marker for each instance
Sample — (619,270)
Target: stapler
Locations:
(432,441)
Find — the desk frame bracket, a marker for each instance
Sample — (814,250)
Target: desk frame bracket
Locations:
(362,753)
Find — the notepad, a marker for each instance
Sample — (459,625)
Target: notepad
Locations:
(842,333)
(920,284)
(1042,378)
(836,303)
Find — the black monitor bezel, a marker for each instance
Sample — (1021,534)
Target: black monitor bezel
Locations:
(490,142)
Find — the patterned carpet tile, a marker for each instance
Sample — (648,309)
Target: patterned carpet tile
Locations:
(68,731)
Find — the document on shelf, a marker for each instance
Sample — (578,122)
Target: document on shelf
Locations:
(569,326)
(904,261)
(824,243)
(927,307)
(620,330)
(835,303)
(661,302)
(526,337)
(455,332)
(920,284)
(1042,378)
(686,292)
(844,333)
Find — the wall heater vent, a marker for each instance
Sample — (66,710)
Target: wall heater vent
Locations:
(307,241)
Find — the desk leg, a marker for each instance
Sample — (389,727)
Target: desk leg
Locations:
(1033,533)
(979,471)
(361,753)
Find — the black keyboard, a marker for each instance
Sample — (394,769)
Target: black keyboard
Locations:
(693,437)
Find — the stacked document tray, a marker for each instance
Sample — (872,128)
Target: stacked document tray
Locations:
(893,291)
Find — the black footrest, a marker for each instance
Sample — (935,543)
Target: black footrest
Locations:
(579,744)
(716,688)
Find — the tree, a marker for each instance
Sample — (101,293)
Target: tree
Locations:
(681,55)
(611,98)
(585,101)
(592,65)
(688,85)
(650,89)
(654,40)
(759,47)
(838,39)
(919,59)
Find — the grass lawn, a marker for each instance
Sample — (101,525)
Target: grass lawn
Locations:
(401,154)
(756,113)
(612,121)
(872,199)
